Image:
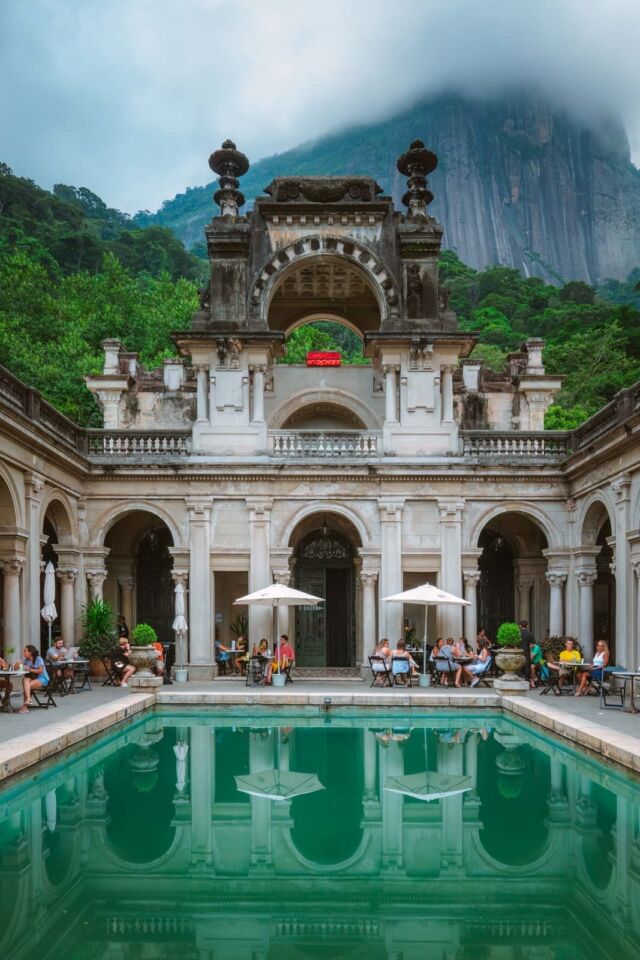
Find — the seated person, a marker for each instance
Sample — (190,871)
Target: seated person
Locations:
(222,656)
(568,655)
(596,670)
(5,686)
(58,651)
(383,650)
(240,663)
(120,664)
(36,677)
(160,664)
(539,669)
(287,656)
(262,650)
(444,661)
(400,669)
(473,671)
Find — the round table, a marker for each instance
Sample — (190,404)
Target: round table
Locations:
(6,701)
(629,677)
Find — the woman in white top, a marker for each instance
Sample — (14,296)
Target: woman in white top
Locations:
(596,670)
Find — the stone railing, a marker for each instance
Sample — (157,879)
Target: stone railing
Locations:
(624,405)
(138,443)
(332,444)
(31,404)
(547,446)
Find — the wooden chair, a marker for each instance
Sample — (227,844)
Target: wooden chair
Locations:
(59,683)
(80,679)
(552,683)
(111,679)
(255,670)
(287,671)
(379,669)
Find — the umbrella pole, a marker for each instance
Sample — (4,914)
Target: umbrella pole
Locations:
(424,642)
(49,624)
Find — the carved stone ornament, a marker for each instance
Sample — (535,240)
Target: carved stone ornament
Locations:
(229,164)
(586,578)
(555,578)
(323,189)
(414,291)
(416,163)
(326,549)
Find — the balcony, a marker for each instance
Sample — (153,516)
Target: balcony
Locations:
(325,444)
(492,445)
(138,444)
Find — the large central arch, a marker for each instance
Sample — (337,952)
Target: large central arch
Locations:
(324,274)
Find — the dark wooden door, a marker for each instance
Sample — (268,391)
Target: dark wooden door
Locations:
(154,586)
(338,593)
(311,621)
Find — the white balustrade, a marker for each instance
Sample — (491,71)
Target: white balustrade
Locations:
(134,444)
(517,445)
(331,444)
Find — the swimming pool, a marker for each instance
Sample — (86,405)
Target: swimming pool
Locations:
(391,838)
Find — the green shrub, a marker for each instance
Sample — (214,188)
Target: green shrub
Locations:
(143,636)
(552,647)
(98,633)
(508,635)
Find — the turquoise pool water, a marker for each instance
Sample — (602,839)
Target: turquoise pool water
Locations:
(449,838)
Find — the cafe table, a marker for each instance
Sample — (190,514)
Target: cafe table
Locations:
(574,666)
(6,697)
(79,666)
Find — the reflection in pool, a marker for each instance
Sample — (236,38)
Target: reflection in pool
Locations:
(448,838)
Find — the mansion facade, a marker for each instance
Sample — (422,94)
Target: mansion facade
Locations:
(226,469)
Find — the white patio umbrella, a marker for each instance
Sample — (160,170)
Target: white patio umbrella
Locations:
(180,623)
(277,784)
(274,596)
(181,750)
(427,595)
(49,612)
(429,785)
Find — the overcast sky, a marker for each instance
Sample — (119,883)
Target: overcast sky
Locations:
(129,97)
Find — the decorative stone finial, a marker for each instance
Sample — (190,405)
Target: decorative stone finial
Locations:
(415,164)
(229,164)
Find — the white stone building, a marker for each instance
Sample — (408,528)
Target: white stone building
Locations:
(227,469)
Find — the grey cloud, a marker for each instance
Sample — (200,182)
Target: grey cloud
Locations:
(128,97)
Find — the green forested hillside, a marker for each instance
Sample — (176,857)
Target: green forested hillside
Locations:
(73,272)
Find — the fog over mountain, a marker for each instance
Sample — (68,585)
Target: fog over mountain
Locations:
(129,97)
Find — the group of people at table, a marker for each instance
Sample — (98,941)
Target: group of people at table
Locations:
(456,659)
(237,656)
(34,674)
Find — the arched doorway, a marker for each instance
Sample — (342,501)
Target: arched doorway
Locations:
(325,555)
(596,560)
(139,565)
(512,574)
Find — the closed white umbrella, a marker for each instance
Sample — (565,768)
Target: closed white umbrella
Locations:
(427,595)
(181,750)
(278,595)
(51,809)
(49,612)
(180,623)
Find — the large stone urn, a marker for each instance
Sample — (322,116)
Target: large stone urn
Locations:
(510,660)
(144,660)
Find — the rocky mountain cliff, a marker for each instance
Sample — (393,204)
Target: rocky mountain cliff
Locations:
(518,183)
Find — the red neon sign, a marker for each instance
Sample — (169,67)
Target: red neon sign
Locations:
(324,358)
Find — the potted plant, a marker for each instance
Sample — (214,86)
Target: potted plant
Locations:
(240,626)
(278,677)
(10,652)
(510,657)
(98,635)
(143,654)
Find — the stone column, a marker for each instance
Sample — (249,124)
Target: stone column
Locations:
(625,648)
(586,580)
(446,385)
(34,486)
(390,614)
(200,584)
(369,636)
(524,586)
(471,580)
(212,399)
(127,586)
(260,618)
(68,605)
(556,579)
(258,394)
(283,577)
(391,762)
(370,757)
(635,564)
(11,569)
(450,617)
(390,388)
(202,373)
(96,580)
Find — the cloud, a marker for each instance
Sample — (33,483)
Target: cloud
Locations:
(129,97)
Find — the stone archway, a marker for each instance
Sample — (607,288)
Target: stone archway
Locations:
(512,573)
(324,274)
(325,553)
(139,565)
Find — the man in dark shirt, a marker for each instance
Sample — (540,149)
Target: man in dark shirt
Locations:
(527,640)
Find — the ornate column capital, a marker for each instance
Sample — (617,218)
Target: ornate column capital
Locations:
(586,578)
(368,578)
(96,580)
(199,508)
(35,485)
(180,577)
(282,577)
(127,583)
(259,507)
(635,566)
(12,566)
(391,509)
(450,510)
(524,583)
(68,575)
(555,578)
(620,488)
(471,578)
